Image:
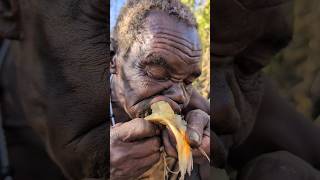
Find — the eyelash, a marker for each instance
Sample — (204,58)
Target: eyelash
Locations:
(162,77)
(143,70)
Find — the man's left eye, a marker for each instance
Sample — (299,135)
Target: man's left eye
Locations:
(188,81)
(157,72)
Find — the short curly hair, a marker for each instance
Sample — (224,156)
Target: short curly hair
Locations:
(134,12)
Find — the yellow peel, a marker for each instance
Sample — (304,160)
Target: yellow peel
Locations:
(162,113)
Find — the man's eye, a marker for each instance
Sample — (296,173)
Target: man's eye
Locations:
(157,72)
(189,81)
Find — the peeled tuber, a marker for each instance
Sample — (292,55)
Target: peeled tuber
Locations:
(162,113)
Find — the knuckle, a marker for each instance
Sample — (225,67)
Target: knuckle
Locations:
(197,115)
(155,144)
(198,122)
(196,112)
(114,137)
(138,121)
(154,158)
(145,126)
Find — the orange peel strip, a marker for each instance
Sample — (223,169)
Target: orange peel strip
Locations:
(162,113)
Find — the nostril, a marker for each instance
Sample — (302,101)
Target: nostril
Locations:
(176,94)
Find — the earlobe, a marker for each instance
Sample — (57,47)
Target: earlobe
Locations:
(9,19)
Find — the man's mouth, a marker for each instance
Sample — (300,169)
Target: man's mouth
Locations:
(176,108)
(147,108)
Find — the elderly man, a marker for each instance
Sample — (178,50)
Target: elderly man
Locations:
(157,58)
(54,81)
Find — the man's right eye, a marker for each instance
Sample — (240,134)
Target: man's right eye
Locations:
(157,72)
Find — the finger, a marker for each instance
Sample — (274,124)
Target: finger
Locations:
(116,125)
(197,121)
(144,148)
(198,155)
(205,146)
(136,129)
(144,164)
(122,151)
(168,146)
(133,168)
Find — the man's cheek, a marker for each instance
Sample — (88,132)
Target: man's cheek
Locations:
(148,87)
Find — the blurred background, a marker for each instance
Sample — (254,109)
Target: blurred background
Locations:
(296,69)
(201,9)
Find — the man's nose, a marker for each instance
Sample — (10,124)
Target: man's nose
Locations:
(226,118)
(177,92)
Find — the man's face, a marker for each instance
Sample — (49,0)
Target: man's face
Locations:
(244,42)
(160,65)
(236,97)
(238,89)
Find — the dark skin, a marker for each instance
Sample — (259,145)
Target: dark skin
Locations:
(60,72)
(50,54)
(160,67)
(250,116)
(61,69)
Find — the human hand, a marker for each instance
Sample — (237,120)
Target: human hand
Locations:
(134,148)
(198,135)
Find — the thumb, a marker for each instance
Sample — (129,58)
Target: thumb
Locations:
(197,121)
(133,130)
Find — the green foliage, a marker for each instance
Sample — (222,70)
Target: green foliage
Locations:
(202,14)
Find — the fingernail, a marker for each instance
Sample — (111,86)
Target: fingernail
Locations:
(161,149)
(193,136)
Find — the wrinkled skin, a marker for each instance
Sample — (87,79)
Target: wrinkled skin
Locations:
(60,76)
(251,118)
(152,68)
(160,66)
(59,81)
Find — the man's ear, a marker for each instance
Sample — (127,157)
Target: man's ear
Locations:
(9,19)
(113,56)
(113,65)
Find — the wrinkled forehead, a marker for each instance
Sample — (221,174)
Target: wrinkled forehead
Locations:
(158,22)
